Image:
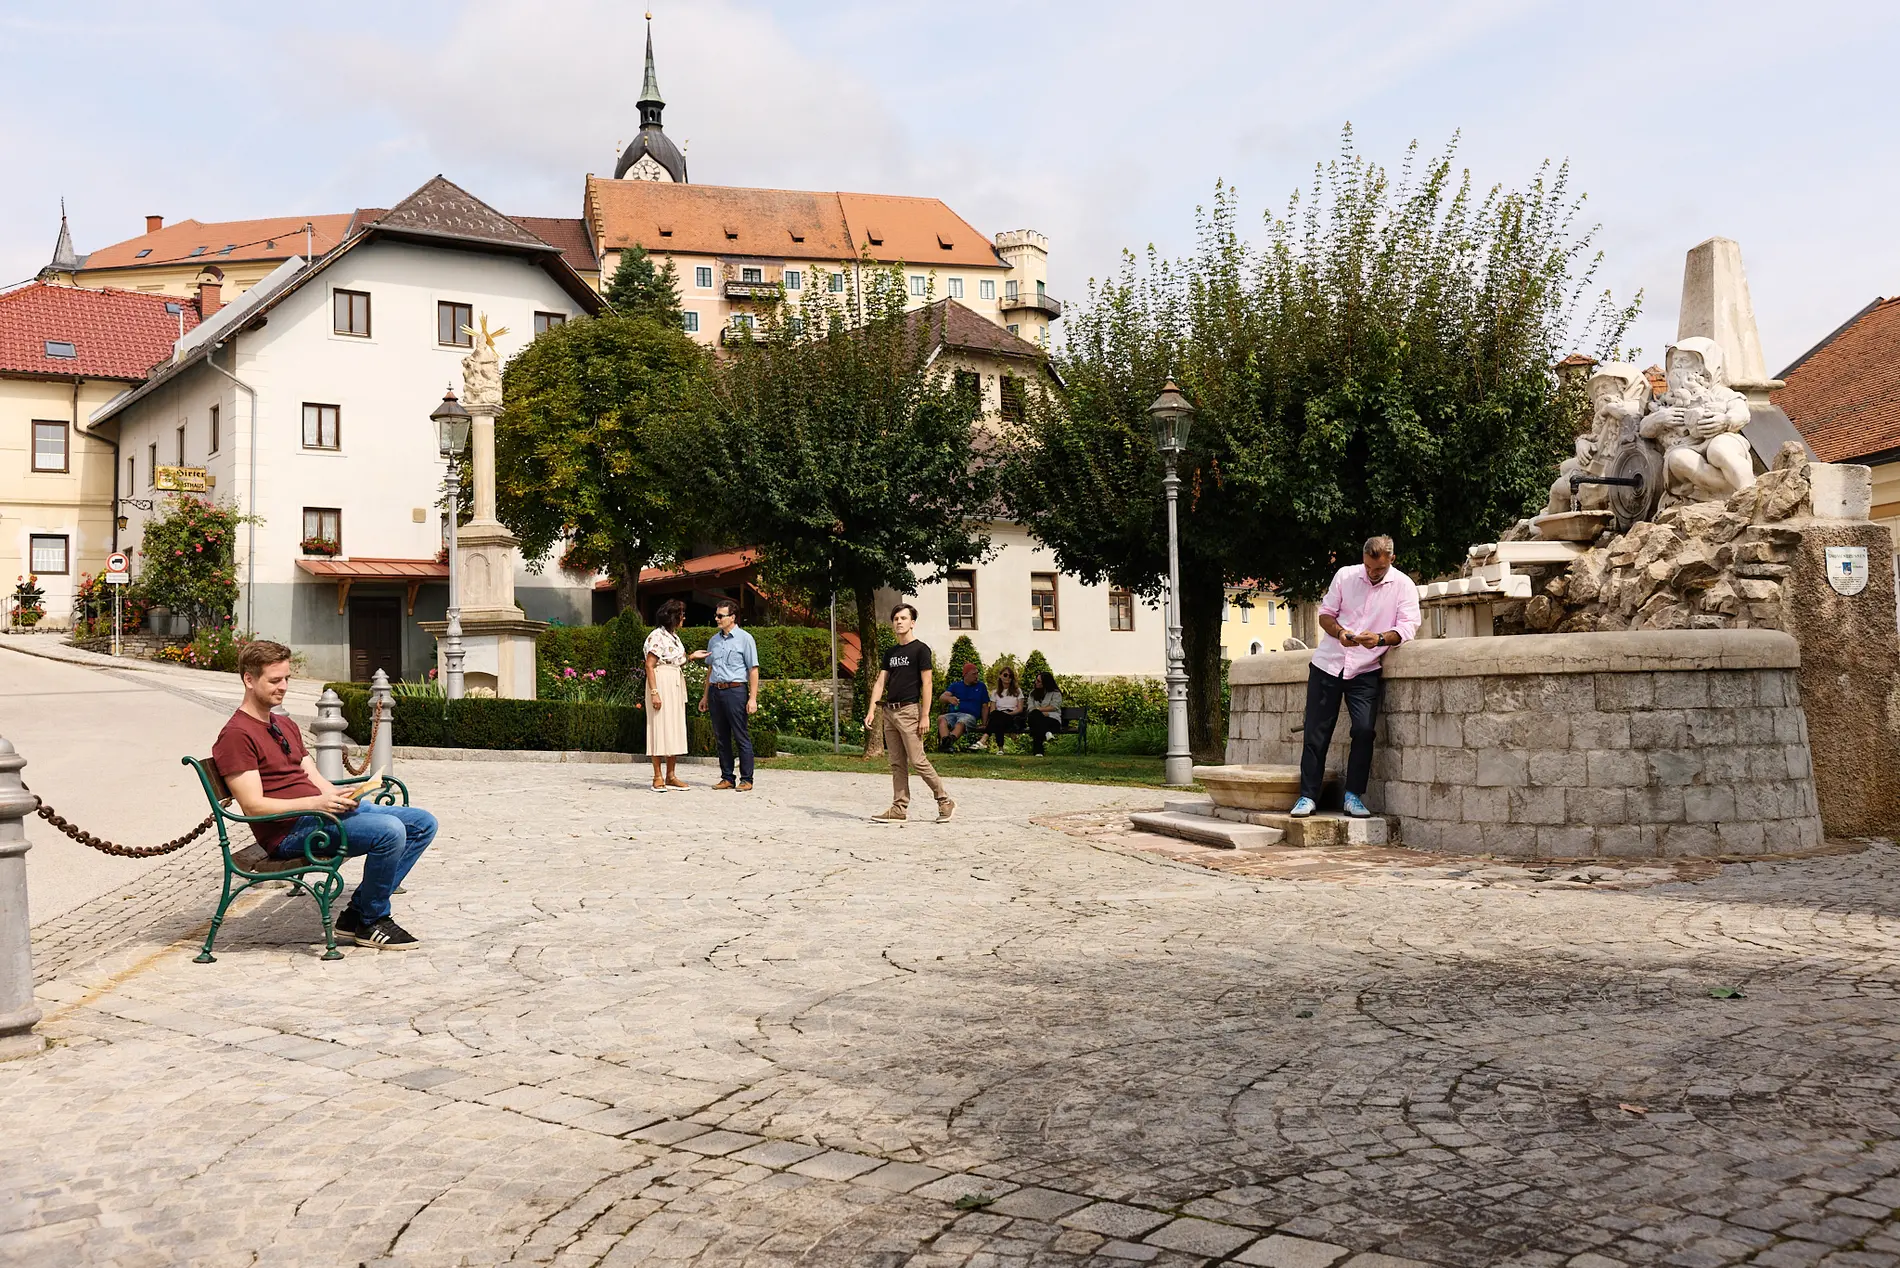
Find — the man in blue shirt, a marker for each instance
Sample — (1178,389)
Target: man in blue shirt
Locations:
(732,693)
(967,705)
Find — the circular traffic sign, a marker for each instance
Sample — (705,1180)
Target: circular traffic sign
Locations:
(118,563)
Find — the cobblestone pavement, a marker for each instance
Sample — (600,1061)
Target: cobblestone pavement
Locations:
(710,1029)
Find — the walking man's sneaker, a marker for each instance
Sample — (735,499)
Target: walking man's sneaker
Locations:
(379,935)
(722,786)
(745,785)
(893,815)
(1303,807)
(945,809)
(1356,808)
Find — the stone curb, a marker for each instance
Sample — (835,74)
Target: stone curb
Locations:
(1628,651)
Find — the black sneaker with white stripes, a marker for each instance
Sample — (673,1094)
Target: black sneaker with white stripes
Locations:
(380,935)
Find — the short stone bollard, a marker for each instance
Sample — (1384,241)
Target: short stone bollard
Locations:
(329,728)
(382,740)
(18,1013)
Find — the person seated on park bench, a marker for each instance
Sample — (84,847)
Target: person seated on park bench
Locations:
(966,705)
(264,763)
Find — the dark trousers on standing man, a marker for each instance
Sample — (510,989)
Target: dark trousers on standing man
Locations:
(732,724)
(1323,694)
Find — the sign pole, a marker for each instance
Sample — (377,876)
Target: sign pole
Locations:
(115,620)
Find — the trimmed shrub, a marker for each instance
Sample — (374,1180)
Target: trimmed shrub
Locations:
(1036,664)
(963,652)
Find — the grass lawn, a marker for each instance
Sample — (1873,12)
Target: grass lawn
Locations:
(1064,768)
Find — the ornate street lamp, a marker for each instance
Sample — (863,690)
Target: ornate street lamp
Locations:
(452,424)
(1173,418)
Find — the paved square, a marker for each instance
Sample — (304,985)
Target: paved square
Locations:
(699,1029)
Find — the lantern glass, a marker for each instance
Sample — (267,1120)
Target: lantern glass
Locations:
(1173,417)
(452,426)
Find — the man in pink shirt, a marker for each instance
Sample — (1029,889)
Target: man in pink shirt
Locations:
(1369,608)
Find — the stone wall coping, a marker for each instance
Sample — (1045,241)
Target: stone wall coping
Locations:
(1632,651)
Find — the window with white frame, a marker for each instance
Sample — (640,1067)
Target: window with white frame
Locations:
(794,280)
(50,448)
(690,319)
(986,288)
(1009,289)
(956,287)
(322,426)
(151,465)
(352,313)
(702,276)
(917,284)
(1042,601)
(49,554)
(216,435)
(837,283)
(544,322)
(751,275)
(323,524)
(181,444)
(453,322)
(1121,608)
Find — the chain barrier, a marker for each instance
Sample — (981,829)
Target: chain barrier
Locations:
(375,720)
(104,846)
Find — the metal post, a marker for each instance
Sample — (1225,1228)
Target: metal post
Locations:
(382,739)
(1178,767)
(117,623)
(452,653)
(329,728)
(835,742)
(18,1013)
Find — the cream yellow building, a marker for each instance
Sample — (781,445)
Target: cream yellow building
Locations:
(1254,621)
(64,352)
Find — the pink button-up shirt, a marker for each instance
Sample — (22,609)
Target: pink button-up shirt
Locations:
(1365,608)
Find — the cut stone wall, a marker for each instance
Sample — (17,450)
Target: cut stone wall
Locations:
(1634,745)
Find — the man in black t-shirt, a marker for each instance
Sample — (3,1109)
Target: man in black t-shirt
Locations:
(906,675)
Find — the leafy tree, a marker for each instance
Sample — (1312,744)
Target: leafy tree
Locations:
(847,454)
(1382,364)
(190,559)
(638,288)
(599,419)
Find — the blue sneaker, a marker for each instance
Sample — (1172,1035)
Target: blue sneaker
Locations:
(1303,807)
(1356,808)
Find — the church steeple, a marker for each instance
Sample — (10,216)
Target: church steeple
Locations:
(652,156)
(65,260)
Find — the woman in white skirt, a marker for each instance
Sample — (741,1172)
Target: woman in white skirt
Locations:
(666,695)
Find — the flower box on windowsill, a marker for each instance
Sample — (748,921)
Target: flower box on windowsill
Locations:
(321,546)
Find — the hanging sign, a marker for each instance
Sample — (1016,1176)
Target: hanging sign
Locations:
(1847,569)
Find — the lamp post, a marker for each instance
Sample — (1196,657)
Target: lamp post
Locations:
(1173,417)
(452,423)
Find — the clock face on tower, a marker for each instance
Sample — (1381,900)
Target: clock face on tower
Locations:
(648,169)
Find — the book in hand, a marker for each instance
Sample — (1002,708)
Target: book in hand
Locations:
(373,784)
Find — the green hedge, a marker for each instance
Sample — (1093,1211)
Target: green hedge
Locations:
(538,725)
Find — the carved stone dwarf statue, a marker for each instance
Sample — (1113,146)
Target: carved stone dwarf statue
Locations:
(1618,393)
(1699,422)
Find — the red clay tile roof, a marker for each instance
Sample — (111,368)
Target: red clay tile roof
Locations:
(274,238)
(782,223)
(1844,396)
(376,569)
(568,233)
(117,334)
(704,568)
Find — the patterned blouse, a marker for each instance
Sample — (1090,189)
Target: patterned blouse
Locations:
(665,646)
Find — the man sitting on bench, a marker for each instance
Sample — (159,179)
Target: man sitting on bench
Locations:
(269,771)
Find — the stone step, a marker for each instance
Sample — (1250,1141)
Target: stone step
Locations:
(1206,830)
(1327,827)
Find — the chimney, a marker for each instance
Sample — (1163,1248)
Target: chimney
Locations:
(210,292)
(154,223)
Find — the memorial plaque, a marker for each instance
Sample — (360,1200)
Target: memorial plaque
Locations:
(1847,569)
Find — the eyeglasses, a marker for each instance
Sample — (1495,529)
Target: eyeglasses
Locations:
(277,735)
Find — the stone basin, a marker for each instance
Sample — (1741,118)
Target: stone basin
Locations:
(1573,526)
(1251,787)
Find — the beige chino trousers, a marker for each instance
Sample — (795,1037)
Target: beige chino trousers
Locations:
(907,750)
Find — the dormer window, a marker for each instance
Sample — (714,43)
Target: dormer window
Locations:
(227,248)
(945,243)
(732,234)
(874,236)
(197,251)
(796,235)
(142,254)
(61,348)
(666,231)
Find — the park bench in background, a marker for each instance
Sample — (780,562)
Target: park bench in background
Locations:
(1075,721)
(317,871)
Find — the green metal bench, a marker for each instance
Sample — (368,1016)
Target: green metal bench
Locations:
(318,872)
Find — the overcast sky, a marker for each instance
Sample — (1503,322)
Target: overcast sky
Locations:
(1101,123)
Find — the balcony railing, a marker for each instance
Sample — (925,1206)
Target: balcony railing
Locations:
(1036,300)
(755,290)
(730,335)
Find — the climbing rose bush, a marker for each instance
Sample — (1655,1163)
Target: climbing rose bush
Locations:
(188,559)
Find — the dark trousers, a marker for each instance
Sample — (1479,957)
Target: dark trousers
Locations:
(1001,725)
(1323,693)
(1041,727)
(731,723)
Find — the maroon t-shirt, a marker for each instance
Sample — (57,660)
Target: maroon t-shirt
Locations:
(246,744)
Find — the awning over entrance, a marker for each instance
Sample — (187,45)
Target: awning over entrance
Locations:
(411,574)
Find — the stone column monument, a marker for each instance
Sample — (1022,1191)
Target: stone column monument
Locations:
(497,637)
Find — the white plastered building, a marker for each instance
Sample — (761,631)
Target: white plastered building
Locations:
(307,404)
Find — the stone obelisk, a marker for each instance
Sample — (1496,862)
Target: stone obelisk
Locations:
(1716,305)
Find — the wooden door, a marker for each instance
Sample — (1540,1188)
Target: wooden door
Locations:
(375,637)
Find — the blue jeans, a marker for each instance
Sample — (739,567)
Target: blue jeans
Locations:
(731,723)
(393,838)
